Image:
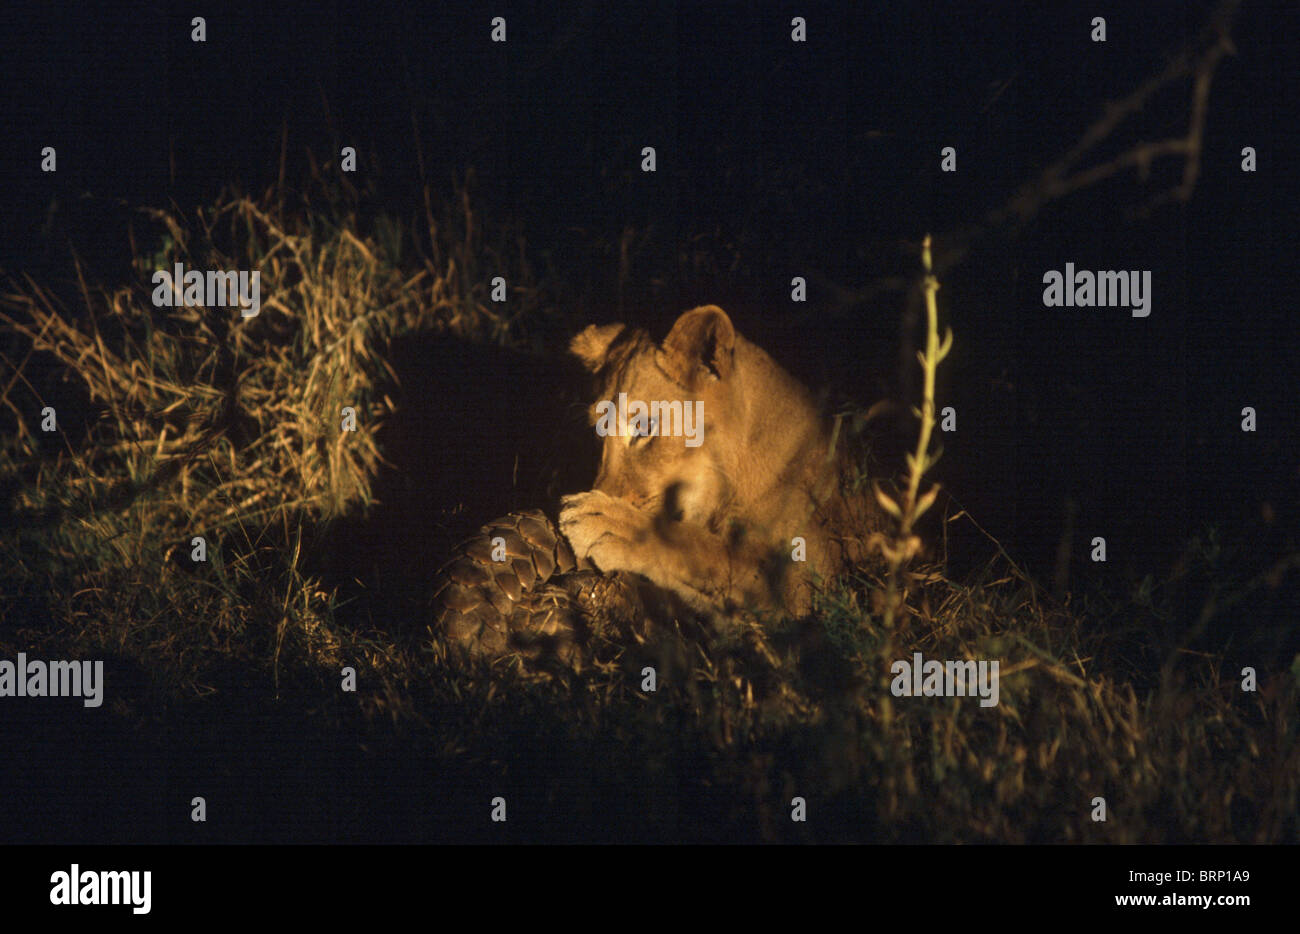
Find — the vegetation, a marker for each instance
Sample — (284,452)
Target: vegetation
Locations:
(187,422)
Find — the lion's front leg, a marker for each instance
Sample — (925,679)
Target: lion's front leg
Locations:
(682,557)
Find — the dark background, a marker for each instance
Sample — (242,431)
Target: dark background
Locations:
(817,159)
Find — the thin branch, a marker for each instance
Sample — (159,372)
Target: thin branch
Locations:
(1056,180)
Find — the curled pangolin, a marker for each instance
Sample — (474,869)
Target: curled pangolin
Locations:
(539,599)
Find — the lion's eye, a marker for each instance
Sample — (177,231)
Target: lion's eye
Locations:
(641,436)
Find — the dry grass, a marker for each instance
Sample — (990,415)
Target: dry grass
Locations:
(198,422)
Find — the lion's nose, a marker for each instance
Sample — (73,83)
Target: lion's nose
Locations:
(610,484)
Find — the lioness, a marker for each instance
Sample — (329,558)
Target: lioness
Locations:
(741,512)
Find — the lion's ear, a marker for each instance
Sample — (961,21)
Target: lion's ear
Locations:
(591,345)
(701,338)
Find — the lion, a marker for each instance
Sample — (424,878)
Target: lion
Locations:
(719,480)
